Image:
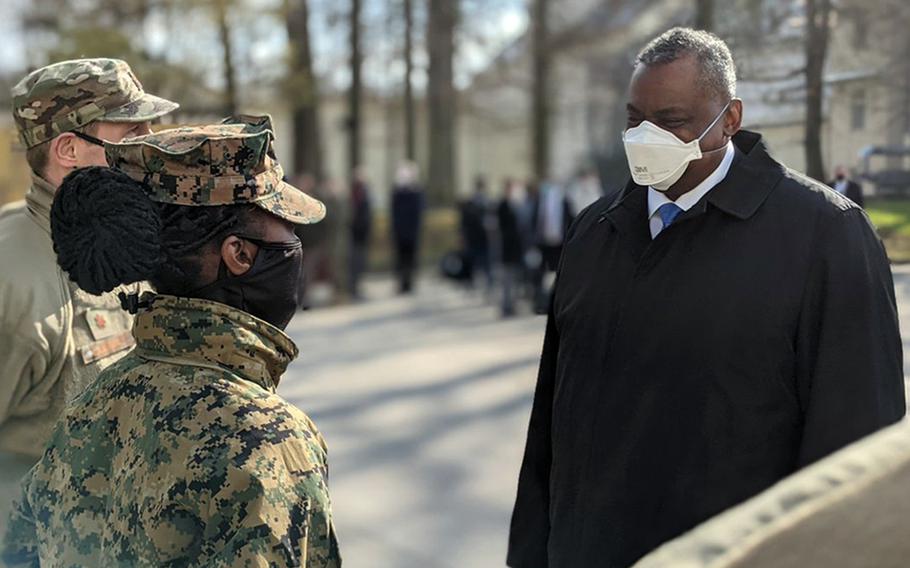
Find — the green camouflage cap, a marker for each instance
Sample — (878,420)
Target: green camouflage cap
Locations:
(221,164)
(70,94)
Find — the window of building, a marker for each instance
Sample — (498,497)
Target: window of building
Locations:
(860,30)
(858,110)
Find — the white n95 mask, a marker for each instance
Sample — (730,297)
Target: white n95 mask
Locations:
(658,158)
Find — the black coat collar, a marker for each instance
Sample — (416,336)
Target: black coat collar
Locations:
(753,175)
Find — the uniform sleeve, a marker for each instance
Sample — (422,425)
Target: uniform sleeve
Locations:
(20,542)
(277,517)
(848,348)
(531,516)
(22,364)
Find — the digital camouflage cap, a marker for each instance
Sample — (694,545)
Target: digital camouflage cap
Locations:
(223,164)
(71,94)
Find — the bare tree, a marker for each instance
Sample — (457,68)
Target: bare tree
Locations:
(817,22)
(303,91)
(55,30)
(227,46)
(355,93)
(704,14)
(443,17)
(409,116)
(540,105)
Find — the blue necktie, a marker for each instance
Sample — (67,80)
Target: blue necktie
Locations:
(668,213)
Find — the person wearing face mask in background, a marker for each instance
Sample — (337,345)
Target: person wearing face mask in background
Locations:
(719,324)
(182,453)
(846,186)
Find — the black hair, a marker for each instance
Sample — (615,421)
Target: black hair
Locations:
(108,232)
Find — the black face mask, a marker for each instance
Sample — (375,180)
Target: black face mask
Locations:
(268,290)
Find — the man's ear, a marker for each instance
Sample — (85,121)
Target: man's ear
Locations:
(733,118)
(63,151)
(238,255)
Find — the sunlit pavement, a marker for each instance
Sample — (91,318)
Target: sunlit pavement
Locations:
(424,402)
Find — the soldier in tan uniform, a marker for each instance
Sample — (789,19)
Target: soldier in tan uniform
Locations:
(54,338)
(182,453)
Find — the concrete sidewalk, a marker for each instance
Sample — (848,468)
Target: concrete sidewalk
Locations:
(424,402)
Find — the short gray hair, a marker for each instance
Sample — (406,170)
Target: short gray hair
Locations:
(718,72)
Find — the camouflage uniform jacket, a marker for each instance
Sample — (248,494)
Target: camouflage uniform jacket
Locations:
(181,454)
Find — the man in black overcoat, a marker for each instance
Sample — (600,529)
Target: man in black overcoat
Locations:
(719,324)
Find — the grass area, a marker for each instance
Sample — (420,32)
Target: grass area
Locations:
(892,219)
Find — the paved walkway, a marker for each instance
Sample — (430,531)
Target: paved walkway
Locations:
(424,403)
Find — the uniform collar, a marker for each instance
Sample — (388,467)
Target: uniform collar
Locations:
(39,199)
(752,176)
(207,333)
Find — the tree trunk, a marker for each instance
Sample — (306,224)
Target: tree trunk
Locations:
(409,116)
(540,105)
(303,92)
(704,15)
(227,47)
(443,15)
(355,92)
(817,16)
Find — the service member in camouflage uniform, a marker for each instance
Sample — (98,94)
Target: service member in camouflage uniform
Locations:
(182,453)
(54,338)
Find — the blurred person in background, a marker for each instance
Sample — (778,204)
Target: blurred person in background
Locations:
(407,217)
(321,277)
(584,190)
(332,277)
(511,243)
(846,186)
(361,225)
(527,209)
(718,325)
(314,235)
(552,218)
(182,453)
(55,338)
(474,233)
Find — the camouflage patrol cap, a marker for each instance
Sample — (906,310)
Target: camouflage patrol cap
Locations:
(70,94)
(223,164)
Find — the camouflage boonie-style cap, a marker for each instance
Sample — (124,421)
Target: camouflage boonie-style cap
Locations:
(70,94)
(223,164)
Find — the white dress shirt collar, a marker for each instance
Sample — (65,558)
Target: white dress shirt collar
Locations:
(687,200)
